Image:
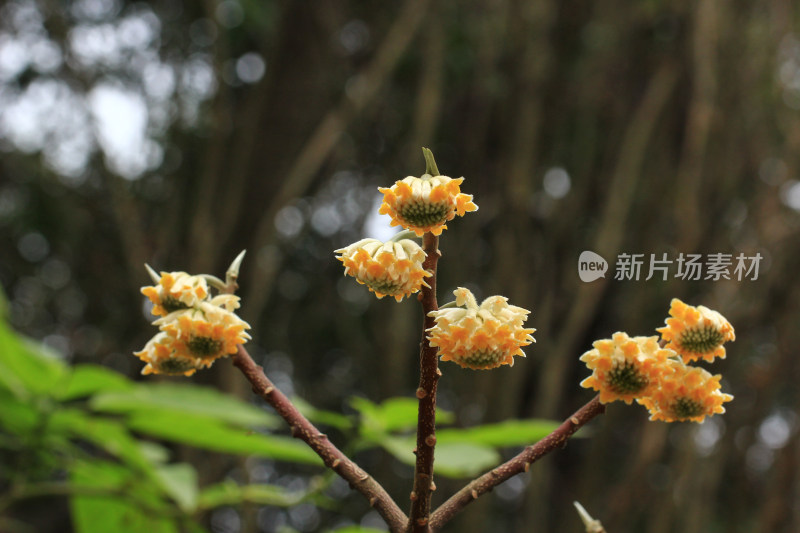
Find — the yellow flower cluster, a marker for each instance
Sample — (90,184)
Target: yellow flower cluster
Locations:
(624,368)
(696,332)
(638,368)
(175,291)
(426,203)
(473,336)
(685,393)
(387,269)
(195,328)
(420,205)
(480,336)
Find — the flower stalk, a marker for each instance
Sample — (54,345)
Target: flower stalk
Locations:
(426,393)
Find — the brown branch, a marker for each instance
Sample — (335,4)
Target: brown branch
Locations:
(520,463)
(332,457)
(426,393)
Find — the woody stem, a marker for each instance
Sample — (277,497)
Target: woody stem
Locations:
(333,458)
(518,464)
(426,393)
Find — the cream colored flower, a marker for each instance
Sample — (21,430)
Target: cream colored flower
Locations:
(175,291)
(624,368)
(426,203)
(480,337)
(164,355)
(685,393)
(387,269)
(696,332)
(206,331)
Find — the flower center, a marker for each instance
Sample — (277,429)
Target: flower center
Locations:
(384,286)
(482,359)
(171,304)
(625,379)
(423,214)
(204,346)
(686,408)
(701,340)
(175,366)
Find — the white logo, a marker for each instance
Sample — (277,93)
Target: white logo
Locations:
(591,266)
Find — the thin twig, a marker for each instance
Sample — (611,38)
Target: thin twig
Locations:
(426,393)
(333,458)
(520,463)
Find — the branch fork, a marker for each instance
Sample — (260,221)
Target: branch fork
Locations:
(421,518)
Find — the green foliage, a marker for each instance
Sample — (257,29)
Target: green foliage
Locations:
(321,417)
(455,460)
(503,434)
(393,414)
(25,370)
(229,493)
(93,424)
(459,452)
(87,380)
(174,401)
(211,434)
(99,505)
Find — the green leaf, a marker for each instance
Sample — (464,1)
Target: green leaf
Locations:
(213,434)
(508,433)
(393,414)
(455,460)
(318,416)
(464,459)
(182,399)
(91,379)
(137,509)
(179,481)
(229,493)
(16,416)
(154,452)
(110,435)
(26,367)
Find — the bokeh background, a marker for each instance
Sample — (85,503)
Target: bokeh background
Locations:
(179,133)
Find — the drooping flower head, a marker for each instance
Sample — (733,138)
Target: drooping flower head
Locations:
(426,203)
(164,355)
(387,269)
(208,331)
(480,337)
(175,291)
(696,332)
(623,367)
(685,393)
(196,329)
